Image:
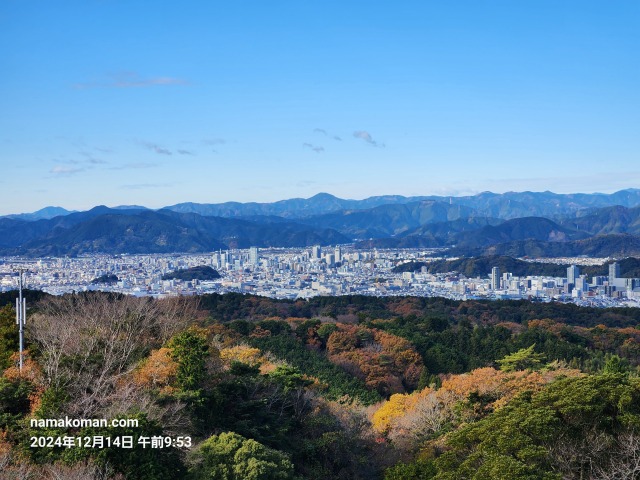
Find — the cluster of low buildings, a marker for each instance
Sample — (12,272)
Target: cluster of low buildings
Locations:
(602,290)
(306,272)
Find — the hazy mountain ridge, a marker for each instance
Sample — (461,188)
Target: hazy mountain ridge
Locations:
(319,204)
(544,204)
(390,220)
(146,231)
(15,232)
(481,224)
(615,219)
(486,204)
(481,232)
(42,214)
(620,245)
(533,228)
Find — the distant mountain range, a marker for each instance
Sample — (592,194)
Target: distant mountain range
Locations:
(102,229)
(43,213)
(619,245)
(486,204)
(517,224)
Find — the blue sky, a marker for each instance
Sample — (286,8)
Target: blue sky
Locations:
(128,102)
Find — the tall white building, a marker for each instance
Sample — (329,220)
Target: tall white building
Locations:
(253,256)
(582,284)
(573,272)
(614,272)
(495,278)
(330,259)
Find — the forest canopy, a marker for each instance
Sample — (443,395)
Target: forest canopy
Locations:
(334,387)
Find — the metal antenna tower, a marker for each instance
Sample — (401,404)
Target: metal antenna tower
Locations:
(21,317)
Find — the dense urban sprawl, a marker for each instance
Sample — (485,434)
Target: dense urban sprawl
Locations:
(307,272)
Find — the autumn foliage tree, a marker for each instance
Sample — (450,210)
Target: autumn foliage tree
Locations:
(387,363)
(158,371)
(410,420)
(582,428)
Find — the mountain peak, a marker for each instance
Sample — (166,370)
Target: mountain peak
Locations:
(323,196)
(43,214)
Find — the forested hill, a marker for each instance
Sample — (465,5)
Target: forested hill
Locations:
(201,272)
(335,387)
(613,245)
(356,308)
(481,267)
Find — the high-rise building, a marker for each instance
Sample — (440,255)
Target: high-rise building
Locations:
(582,284)
(330,259)
(614,271)
(316,252)
(338,254)
(253,256)
(495,278)
(573,272)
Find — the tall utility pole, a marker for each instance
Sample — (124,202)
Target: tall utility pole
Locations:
(21,317)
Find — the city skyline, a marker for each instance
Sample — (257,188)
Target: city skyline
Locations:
(110,102)
(307,272)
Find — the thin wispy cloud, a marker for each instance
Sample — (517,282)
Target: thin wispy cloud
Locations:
(90,159)
(131,80)
(134,165)
(214,141)
(322,131)
(65,170)
(185,152)
(315,148)
(142,186)
(97,161)
(141,165)
(366,136)
(69,166)
(154,148)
